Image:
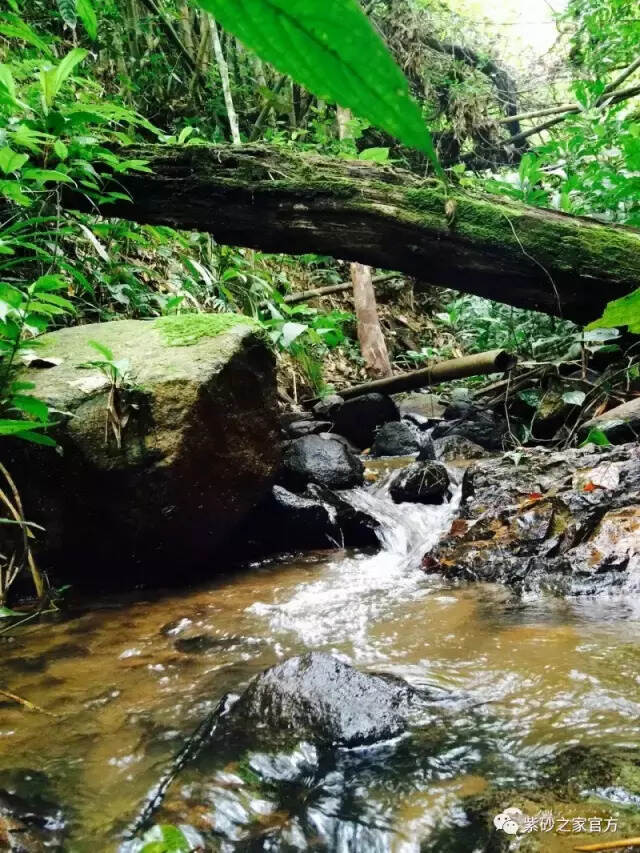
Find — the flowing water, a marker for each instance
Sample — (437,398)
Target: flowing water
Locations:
(128,678)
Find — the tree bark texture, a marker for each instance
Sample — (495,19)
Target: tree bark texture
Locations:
(281,201)
(370,336)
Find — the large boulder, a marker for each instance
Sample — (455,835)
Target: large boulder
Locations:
(420,482)
(565,521)
(322,460)
(198,451)
(319,699)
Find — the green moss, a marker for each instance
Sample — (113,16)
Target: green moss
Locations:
(184,330)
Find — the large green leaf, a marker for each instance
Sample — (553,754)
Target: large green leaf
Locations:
(67,9)
(87,15)
(331,48)
(621,312)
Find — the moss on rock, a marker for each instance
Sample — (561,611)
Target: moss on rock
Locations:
(184,330)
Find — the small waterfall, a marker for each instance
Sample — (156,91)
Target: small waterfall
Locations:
(338,607)
(407,530)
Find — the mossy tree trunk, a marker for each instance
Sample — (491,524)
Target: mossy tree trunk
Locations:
(280,201)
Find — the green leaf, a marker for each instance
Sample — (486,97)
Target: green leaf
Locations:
(376,155)
(67,9)
(43,176)
(10,161)
(14,27)
(88,16)
(165,839)
(574,398)
(333,50)
(596,436)
(291,331)
(30,406)
(14,427)
(621,312)
(51,79)
(37,438)
(5,613)
(102,349)
(61,149)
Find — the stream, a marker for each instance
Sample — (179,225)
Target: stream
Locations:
(128,677)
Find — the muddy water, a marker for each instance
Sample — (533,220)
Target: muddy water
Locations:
(127,678)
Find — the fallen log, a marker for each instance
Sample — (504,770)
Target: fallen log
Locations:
(282,201)
(478,364)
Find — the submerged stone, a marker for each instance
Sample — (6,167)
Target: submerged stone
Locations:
(319,699)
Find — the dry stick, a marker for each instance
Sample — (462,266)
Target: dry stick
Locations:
(38,580)
(482,363)
(623,95)
(610,845)
(30,705)
(303,295)
(192,748)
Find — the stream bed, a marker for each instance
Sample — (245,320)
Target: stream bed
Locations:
(129,677)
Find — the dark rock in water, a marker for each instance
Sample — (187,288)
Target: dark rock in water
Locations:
(422,404)
(457,447)
(198,452)
(357,419)
(314,518)
(566,521)
(333,436)
(397,438)
(201,644)
(306,427)
(420,421)
(327,407)
(319,699)
(421,482)
(327,462)
(353,527)
(463,411)
(29,826)
(484,428)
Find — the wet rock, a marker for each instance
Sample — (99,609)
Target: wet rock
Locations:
(397,438)
(198,452)
(567,521)
(419,421)
(451,447)
(421,482)
(422,404)
(317,518)
(307,427)
(481,427)
(358,419)
(327,407)
(319,699)
(202,644)
(327,462)
(29,826)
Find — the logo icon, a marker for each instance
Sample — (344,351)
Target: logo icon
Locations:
(510,821)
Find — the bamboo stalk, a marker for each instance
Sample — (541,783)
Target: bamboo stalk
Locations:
(479,364)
